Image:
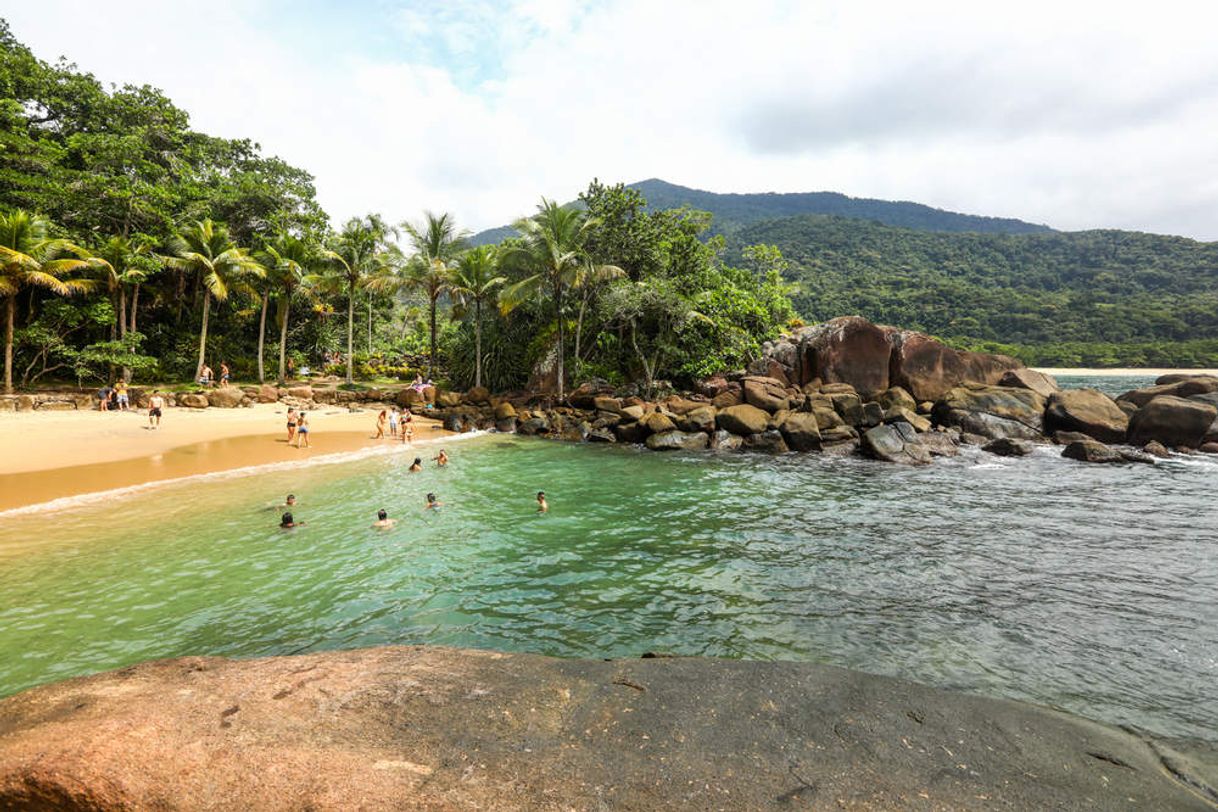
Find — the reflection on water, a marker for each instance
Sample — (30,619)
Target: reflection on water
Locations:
(1091,588)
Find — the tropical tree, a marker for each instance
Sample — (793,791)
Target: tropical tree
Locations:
(357,255)
(287,260)
(437,244)
(474,279)
(552,251)
(30,258)
(123,262)
(206,249)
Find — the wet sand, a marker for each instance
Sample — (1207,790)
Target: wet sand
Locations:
(61,454)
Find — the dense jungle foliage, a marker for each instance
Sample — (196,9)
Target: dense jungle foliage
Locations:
(131,244)
(1096,298)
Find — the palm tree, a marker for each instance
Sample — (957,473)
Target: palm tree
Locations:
(287,260)
(474,279)
(357,255)
(205,248)
(117,261)
(552,252)
(437,244)
(31,258)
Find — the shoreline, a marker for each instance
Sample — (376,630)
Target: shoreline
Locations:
(63,455)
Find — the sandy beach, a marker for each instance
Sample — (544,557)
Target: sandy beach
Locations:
(1122,372)
(49,455)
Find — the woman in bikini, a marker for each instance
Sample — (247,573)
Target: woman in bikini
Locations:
(381,420)
(292,419)
(302,431)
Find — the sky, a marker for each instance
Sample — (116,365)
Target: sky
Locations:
(1075,114)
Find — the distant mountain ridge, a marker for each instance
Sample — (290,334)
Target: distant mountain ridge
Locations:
(734,210)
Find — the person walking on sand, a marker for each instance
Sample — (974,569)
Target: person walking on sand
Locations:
(205,376)
(120,395)
(383,522)
(224,373)
(381,420)
(155,404)
(542,505)
(441,459)
(302,431)
(293,419)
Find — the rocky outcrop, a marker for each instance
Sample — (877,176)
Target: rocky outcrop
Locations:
(678,441)
(1183,388)
(801,431)
(1173,421)
(1091,451)
(743,419)
(1086,411)
(895,442)
(225,397)
(192,400)
(993,411)
(446,729)
(1024,378)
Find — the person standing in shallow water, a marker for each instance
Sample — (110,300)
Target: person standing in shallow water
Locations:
(441,459)
(293,418)
(416,466)
(542,505)
(381,420)
(302,431)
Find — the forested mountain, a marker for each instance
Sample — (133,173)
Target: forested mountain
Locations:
(1089,287)
(734,211)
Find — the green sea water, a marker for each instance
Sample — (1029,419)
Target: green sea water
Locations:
(1090,588)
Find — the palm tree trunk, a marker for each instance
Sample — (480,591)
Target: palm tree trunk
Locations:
(10,308)
(283,338)
(135,299)
(562,335)
(431,358)
(579,330)
(478,342)
(266,295)
(369,325)
(350,332)
(122,323)
(203,335)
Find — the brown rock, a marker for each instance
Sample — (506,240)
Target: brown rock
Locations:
(1173,421)
(479,394)
(1176,377)
(634,432)
(765,393)
(225,397)
(678,441)
(848,349)
(725,441)
(505,411)
(929,369)
(801,431)
(193,400)
(742,420)
(1180,389)
(1207,448)
(827,418)
(769,441)
(898,414)
(268,393)
(1040,383)
(1068,437)
(896,396)
(992,411)
(301,392)
(658,423)
(447,400)
(730,397)
(699,419)
(605,403)
(632,412)
(895,442)
(1157,449)
(1091,451)
(1006,447)
(1087,411)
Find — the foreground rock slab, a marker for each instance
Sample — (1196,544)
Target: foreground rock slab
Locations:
(433,728)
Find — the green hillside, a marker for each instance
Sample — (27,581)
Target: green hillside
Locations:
(1092,297)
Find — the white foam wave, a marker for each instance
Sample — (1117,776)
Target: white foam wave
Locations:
(86,499)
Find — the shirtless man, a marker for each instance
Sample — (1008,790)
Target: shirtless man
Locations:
(383,522)
(542,505)
(441,459)
(155,404)
(416,466)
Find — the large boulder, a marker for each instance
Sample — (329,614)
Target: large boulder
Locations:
(504,410)
(723,440)
(1180,389)
(678,441)
(1176,377)
(896,396)
(225,397)
(268,393)
(538,424)
(700,419)
(929,369)
(1024,378)
(993,411)
(765,393)
(1091,451)
(895,442)
(301,392)
(898,414)
(408,398)
(1007,447)
(770,441)
(1086,411)
(849,349)
(193,400)
(744,419)
(447,400)
(1173,421)
(630,432)
(479,394)
(658,423)
(801,431)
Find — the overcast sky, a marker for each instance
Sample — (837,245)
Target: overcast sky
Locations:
(1074,114)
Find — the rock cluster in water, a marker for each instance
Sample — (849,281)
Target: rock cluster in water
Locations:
(447,729)
(850,386)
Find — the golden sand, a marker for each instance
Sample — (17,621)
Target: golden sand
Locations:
(49,455)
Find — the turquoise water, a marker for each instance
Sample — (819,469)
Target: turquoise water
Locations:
(1114,385)
(1090,588)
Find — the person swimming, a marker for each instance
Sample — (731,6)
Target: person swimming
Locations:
(441,458)
(432,503)
(287,522)
(383,521)
(542,505)
(416,466)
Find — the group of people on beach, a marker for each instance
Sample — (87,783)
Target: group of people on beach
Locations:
(298,428)
(383,522)
(207,376)
(400,424)
(114,398)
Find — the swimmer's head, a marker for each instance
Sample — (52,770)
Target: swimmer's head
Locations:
(286,520)
(431,497)
(291,500)
(418,460)
(382,515)
(541,495)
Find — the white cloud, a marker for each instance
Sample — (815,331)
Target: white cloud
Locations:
(1077,115)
